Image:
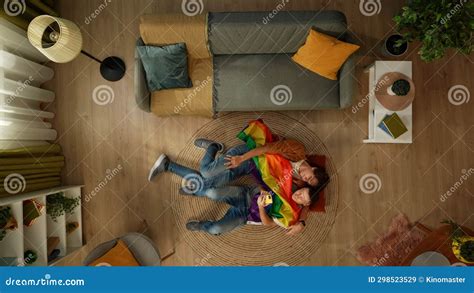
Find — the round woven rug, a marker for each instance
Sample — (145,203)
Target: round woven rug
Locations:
(251,245)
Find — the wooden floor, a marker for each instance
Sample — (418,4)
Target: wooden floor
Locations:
(97,139)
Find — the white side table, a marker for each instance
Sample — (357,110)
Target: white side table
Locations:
(377,112)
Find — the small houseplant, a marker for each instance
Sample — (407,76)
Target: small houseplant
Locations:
(401,87)
(7,221)
(395,45)
(463,244)
(438,25)
(57,205)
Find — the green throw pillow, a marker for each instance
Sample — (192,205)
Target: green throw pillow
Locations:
(166,67)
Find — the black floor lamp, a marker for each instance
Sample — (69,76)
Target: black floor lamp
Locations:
(61,41)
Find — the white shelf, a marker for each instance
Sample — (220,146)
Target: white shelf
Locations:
(12,245)
(35,237)
(377,112)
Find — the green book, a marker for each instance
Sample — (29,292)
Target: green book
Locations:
(394,125)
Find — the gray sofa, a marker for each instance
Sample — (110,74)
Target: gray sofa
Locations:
(252,57)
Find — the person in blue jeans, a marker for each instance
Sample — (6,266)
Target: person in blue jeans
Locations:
(247,202)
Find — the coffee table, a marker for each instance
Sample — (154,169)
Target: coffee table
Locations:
(377,112)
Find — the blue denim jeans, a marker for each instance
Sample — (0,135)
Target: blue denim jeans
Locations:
(212,181)
(212,171)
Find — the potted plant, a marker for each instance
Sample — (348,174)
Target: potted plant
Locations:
(395,45)
(7,221)
(400,87)
(438,25)
(57,205)
(463,244)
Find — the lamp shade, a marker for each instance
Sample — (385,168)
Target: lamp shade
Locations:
(58,39)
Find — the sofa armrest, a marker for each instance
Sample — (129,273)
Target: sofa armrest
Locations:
(347,82)
(142,94)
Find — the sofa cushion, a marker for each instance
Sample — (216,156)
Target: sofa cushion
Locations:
(268,32)
(188,101)
(324,54)
(269,82)
(166,67)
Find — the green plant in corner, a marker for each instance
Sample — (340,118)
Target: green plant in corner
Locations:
(57,205)
(463,244)
(438,25)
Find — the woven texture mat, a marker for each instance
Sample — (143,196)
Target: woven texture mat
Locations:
(251,245)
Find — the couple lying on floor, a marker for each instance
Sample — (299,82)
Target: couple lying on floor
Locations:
(248,204)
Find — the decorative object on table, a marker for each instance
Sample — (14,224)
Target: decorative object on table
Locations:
(7,221)
(57,205)
(463,244)
(52,243)
(395,91)
(430,259)
(393,125)
(436,26)
(30,257)
(32,210)
(61,41)
(394,46)
(71,227)
(54,255)
(390,249)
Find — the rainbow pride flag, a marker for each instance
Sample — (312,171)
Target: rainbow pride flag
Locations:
(274,173)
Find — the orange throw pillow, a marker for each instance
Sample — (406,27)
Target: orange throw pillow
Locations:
(324,54)
(118,256)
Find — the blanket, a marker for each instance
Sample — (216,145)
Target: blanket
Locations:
(273,172)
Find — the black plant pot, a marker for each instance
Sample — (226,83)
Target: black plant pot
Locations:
(390,47)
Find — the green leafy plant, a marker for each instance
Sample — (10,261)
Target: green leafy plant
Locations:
(57,205)
(401,87)
(457,231)
(467,247)
(438,25)
(7,221)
